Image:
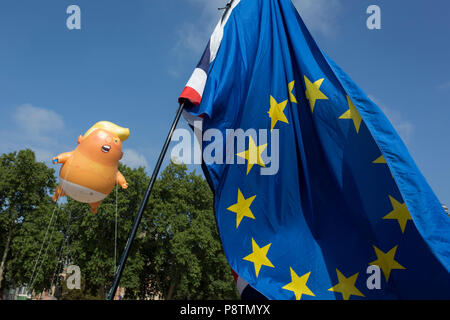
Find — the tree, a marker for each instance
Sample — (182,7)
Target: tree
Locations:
(24,185)
(91,244)
(176,255)
(177,252)
(35,247)
(184,257)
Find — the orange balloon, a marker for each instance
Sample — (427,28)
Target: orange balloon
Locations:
(90,172)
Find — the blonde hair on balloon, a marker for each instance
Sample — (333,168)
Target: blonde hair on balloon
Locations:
(120,132)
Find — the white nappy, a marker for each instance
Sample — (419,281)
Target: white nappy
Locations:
(80,193)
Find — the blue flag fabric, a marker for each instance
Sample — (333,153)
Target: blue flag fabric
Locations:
(347,198)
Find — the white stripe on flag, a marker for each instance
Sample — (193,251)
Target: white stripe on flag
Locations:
(198,81)
(241,284)
(216,37)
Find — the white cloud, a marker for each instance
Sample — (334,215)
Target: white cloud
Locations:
(35,128)
(134,159)
(320,16)
(404,128)
(195,36)
(45,155)
(37,124)
(445,85)
(41,130)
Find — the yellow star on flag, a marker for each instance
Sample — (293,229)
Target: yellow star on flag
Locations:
(276,112)
(259,256)
(346,286)
(298,285)
(352,113)
(400,213)
(253,154)
(242,208)
(313,92)
(386,261)
(380,160)
(291,95)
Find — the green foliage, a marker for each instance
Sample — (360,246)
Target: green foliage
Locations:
(92,237)
(23,183)
(177,253)
(183,253)
(24,206)
(28,245)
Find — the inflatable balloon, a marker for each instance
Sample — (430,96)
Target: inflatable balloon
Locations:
(90,172)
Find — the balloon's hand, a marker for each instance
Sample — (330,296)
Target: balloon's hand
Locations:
(120,180)
(62,158)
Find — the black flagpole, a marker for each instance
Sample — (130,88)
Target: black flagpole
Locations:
(138,219)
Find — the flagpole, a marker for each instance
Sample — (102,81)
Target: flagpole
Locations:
(143,205)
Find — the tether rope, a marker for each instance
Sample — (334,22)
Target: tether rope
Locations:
(46,250)
(115,234)
(59,262)
(33,275)
(42,246)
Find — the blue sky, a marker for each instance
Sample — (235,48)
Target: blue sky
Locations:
(131,59)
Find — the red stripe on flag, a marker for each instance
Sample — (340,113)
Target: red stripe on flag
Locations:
(235,275)
(192,95)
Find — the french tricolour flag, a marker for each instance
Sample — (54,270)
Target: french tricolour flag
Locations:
(193,93)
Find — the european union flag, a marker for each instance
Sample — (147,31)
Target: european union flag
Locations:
(344,199)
